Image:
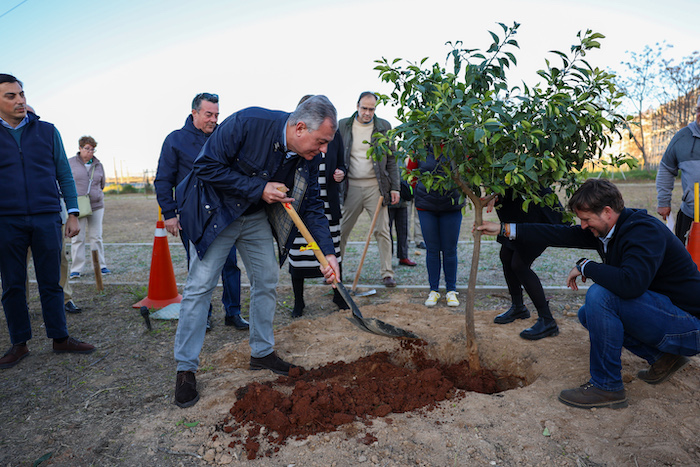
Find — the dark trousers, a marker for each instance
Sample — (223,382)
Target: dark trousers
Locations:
(399,217)
(683,224)
(230,278)
(41,232)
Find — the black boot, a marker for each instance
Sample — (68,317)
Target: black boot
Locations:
(339,300)
(298,287)
(542,328)
(513,313)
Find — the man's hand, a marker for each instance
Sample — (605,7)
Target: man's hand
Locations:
(395,197)
(72,226)
(332,271)
(173,226)
(571,280)
(338,175)
(664,212)
(276,192)
(489,228)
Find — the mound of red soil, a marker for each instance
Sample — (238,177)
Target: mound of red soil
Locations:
(322,399)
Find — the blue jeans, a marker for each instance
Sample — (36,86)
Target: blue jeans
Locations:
(647,326)
(41,232)
(440,233)
(252,235)
(230,278)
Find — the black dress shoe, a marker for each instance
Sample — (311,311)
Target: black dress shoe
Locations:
(71,307)
(237,322)
(513,313)
(271,362)
(542,328)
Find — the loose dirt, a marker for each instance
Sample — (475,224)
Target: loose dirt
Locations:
(115,407)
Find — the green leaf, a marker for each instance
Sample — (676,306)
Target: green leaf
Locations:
(42,459)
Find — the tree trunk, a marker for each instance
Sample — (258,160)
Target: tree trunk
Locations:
(472,347)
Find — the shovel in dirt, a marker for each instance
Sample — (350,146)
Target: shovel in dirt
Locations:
(364,253)
(372,325)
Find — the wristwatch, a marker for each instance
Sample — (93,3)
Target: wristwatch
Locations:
(76,214)
(580,263)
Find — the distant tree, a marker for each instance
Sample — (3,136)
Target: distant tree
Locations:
(639,83)
(491,137)
(660,93)
(680,82)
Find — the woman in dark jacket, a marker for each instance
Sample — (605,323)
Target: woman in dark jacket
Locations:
(440,215)
(303,264)
(517,265)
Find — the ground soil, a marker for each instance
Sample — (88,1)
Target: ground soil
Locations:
(115,406)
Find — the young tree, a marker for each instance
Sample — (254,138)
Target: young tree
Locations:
(491,137)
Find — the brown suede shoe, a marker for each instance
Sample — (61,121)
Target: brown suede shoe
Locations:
(663,368)
(73,346)
(389,281)
(13,356)
(588,396)
(186,394)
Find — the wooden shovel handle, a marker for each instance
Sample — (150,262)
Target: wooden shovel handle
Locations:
(369,236)
(305,233)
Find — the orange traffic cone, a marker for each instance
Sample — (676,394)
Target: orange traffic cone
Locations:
(162,289)
(694,243)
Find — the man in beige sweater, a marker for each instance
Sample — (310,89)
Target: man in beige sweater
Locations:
(368,179)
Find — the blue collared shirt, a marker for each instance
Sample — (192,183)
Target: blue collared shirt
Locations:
(24,121)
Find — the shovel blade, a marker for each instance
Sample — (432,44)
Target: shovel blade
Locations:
(366,293)
(378,326)
(371,325)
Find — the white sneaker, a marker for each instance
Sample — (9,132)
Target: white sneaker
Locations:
(433,298)
(451,298)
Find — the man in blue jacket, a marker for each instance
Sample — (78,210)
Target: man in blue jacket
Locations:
(180,149)
(32,161)
(645,296)
(234,196)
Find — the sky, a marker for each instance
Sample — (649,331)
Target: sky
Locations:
(125,72)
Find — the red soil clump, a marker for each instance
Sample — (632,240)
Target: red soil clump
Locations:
(335,394)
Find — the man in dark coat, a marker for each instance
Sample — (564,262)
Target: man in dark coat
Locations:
(180,149)
(234,196)
(645,296)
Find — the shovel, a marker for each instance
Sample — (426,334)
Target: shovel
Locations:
(372,325)
(364,253)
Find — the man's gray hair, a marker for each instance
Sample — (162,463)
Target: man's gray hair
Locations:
(313,112)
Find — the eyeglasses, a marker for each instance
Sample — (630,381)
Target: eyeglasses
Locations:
(89,149)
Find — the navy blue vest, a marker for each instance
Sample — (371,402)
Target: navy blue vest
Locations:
(28,182)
